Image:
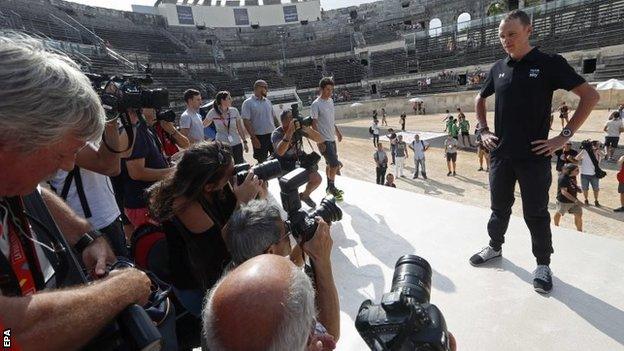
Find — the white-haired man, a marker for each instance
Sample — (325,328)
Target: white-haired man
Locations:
(257,228)
(48,112)
(277,300)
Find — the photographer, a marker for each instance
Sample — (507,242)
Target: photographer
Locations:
(257,228)
(193,203)
(277,300)
(145,165)
(287,141)
(168,135)
(48,112)
(87,187)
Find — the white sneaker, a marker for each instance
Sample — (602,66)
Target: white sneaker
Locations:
(488,253)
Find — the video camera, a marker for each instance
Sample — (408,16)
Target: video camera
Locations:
(119,93)
(405,320)
(303,224)
(264,171)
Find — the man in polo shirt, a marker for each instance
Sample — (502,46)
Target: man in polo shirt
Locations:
(324,122)
(524,83)
(260,120)
(191,125)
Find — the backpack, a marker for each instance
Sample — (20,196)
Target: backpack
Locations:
(149,250)
(370,130)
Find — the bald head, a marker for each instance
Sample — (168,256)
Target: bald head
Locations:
(266,303)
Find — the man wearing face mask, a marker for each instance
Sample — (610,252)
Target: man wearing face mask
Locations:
(257,228)
(260,120)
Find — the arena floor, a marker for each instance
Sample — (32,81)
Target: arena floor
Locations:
(470,187)
(488,308)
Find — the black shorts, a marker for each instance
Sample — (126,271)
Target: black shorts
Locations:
(612,141)
(465,133)
(451,156)
(331,154)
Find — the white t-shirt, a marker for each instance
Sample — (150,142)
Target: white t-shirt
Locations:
(227,132)
(98,192)
(375,128)
(613,127)
(587,166)
(323,111)
(192,121)
(419,148)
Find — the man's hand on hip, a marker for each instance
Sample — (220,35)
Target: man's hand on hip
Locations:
(548,147)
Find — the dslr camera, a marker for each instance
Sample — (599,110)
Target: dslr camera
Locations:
(405,320)
(265,171)
(303,224)
(300,121)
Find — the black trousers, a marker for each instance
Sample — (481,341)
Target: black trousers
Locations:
(237,154)
(534,177)
(375,139)
(266,148)
(381,175)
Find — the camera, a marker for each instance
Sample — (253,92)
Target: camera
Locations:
(299,121)
(265,171)
(303,224)
(166,115)
(405,320)
(119,93)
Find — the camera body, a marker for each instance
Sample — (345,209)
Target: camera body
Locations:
(302,224)
(166,115)
(300,121)
(405,320)
(119,93)
(265,171)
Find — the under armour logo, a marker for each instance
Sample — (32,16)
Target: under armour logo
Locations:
(501,75)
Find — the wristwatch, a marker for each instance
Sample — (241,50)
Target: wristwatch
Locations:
(566,132)
(484,129)
(86,240)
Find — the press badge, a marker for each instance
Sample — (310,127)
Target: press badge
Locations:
(230,139)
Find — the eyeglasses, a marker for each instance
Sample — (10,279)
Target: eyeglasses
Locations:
(283,237)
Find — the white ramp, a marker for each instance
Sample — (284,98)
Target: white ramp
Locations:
(489,308)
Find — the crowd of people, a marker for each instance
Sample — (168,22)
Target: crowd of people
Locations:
(118,180)
(86,186)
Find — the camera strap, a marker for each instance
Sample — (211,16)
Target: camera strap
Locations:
(75,173)
(127,126)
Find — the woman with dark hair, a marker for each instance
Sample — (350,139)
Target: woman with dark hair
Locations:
(193,204)
(229,125)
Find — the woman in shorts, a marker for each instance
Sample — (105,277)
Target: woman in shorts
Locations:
(567,202)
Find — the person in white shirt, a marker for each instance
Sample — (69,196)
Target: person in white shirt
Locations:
(450,147)
(375,129)
(588,170)
(190,121)
(229,125)
(401,154)
(613,128)
(419,147)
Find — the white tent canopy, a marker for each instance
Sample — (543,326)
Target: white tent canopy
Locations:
(611,84)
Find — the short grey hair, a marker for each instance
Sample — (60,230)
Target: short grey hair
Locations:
(294,330)
(43,96)
(252,229)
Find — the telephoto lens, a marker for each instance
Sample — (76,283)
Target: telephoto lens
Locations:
(328,210)
(412,276)
(265,171)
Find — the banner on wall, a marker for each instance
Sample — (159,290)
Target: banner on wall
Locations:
(185,15)
(241,17)
(290,14)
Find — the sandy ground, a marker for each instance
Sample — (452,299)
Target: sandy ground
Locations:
(470,186)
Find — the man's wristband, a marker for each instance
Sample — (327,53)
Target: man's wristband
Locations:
(286,140)
(484,129)
(86,240)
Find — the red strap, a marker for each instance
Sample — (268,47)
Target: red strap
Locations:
(19,262)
